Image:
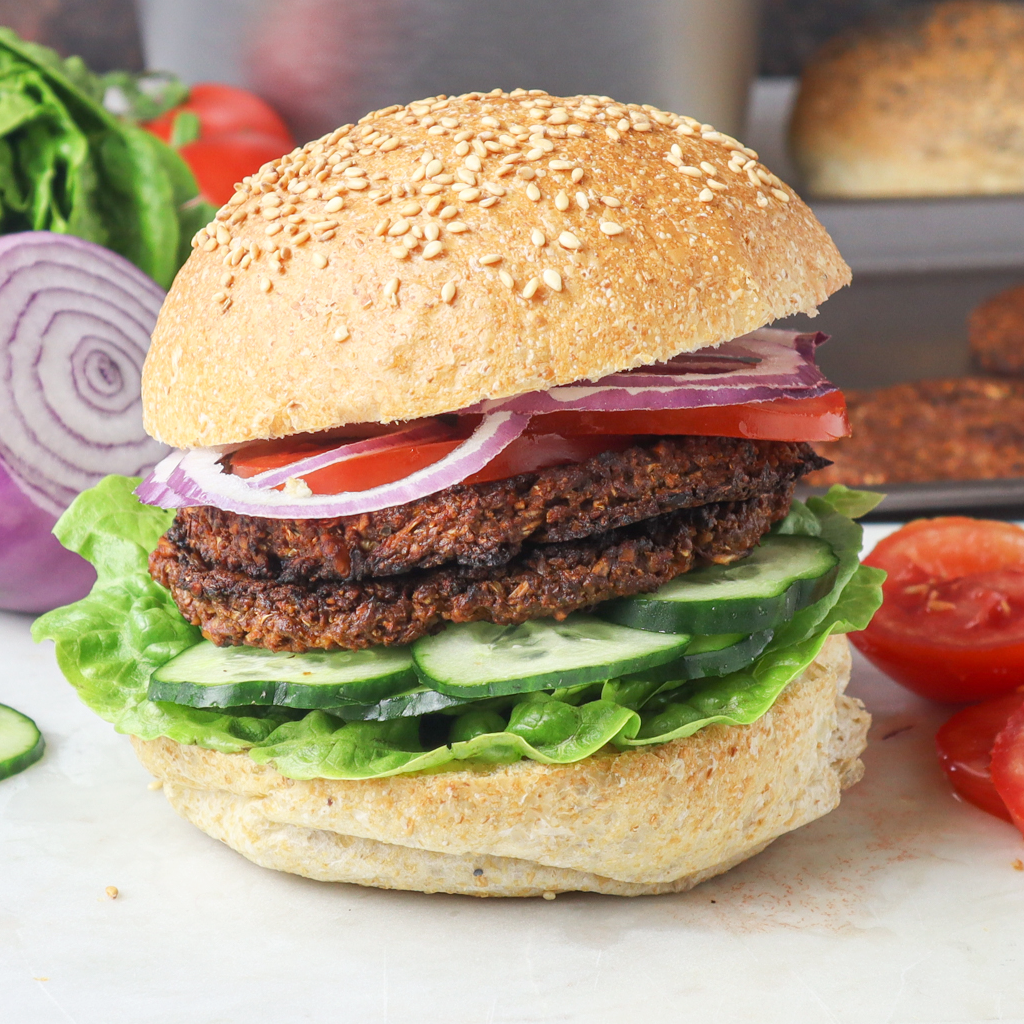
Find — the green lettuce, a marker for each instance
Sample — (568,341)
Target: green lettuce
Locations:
(109,643)
(68,165)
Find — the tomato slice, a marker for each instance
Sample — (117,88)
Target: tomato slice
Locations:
(226,110)
(527,454)
(951,625)
(965,745)
(1008,765)
(782,419)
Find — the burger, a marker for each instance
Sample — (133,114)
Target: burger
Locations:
(476,566)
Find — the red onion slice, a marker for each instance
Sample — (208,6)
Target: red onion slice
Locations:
(423,433)
(198,478)
(758,367)
(75,321)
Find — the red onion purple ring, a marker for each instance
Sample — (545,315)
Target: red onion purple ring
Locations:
(199,478)
(75,321)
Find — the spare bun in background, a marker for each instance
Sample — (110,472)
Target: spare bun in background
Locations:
(590,249)
(653,820)
(927,103)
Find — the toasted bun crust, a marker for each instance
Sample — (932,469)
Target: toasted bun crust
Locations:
(656,819)
(571,238)
(928,104)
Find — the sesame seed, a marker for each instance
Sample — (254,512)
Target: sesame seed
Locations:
(753,178)
(561,165)
(449,122)
(399,252)
(223,235)
(473,163)
(324,225)
(490,201)
(716,184)
(211,243)
(448,212)
(706,195)
(553,279)
(532,192)
(227,280)
(577,174)
(301,238)
(341,334)
(526,173)
(466,175)
(611,228)
(266,284)
(410,209)
(708,168)
(530,288)
(623,125)
(562,201)
(448,292)
(491,122)
(111,891)
(219,296)
(486,261)
(246,260)
(470,195)
(676,149)
(558,116)
(358,184)
(780,195)
(582,201)
(493,188)
(692,172)
(430,190)
(506,279)
(391,287)
(400,227)
(537,237)
(437,129)
(457,227)
(432,249)
(462,148)
(335,205)
(319,260)
(391,144)
(763,175)
(569,241)
(612,134)
(431,232)
(381,226)
(349,172)
(535,154)
(410,241)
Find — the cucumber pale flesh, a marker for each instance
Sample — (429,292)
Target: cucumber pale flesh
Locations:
(21,743)
(207,676)
(481,659)
(768,587)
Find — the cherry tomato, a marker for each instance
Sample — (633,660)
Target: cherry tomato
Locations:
(221,162)
(951,625)
(1008,765)
(782,419)
(225,110)
(965,746)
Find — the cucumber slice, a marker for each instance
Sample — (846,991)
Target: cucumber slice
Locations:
(716,655)
(207,676)
(769,586)
(480,659)
(21,743)
(420,700)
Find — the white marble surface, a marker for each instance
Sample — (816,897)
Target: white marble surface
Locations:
(901,906)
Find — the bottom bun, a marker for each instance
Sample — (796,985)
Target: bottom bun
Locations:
(650,820)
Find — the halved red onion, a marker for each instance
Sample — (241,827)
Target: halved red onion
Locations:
(75,321)
(199,478)
(758,367)
(423,433)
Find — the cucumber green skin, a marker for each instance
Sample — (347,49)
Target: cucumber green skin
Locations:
(418,701)
(546,681)
(287,695)
(711,663)
(19,762)
(742,615)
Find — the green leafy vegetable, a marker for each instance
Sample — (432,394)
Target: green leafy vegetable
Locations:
(109,644)
(70,166)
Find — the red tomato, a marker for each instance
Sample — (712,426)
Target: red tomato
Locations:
(225,110)
(965,744)
(782,419)
(526,454)
(1008,765)
(220,163)
(951,626)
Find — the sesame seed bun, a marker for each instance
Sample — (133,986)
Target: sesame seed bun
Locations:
(553,240)
(928,103)
(656,819)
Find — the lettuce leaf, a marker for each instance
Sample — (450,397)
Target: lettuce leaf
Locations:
(109,643)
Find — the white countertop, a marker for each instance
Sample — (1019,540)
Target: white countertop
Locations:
(901,906)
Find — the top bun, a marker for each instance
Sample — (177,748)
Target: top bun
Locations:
(929,102)
(475,247)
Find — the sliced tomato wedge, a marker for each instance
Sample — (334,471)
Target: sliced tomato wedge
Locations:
(951,625)
(965,751)
(1008,765)
(782,419)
